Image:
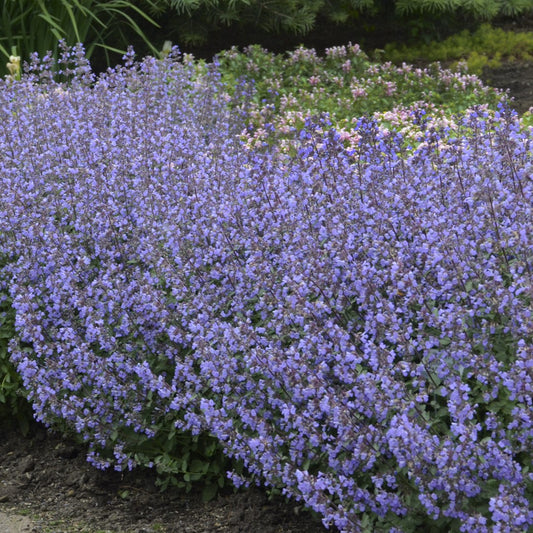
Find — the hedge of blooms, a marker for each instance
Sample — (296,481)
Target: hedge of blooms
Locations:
(353,325)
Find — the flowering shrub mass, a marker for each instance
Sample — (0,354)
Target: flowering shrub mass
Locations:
(354,325)
(344,84)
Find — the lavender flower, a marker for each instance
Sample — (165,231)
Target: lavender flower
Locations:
(354,325)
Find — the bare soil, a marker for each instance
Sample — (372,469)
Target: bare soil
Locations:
(46,478)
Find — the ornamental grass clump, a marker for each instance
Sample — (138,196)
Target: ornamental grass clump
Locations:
(353,326)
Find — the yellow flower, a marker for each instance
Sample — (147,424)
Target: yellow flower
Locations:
(14,67)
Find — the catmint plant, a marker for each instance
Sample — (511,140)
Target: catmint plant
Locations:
(352,324)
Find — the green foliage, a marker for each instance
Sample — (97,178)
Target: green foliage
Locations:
(484,9)
(182,459)
(527,119)
(14,408)
(109,26)
(293,16)
(486,47)
(29,26)
(289,88)
(194,21)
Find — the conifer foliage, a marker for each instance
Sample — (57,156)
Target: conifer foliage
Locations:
(197,18)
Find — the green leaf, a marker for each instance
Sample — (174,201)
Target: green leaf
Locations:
(445,341)
(198,465)
(209,492)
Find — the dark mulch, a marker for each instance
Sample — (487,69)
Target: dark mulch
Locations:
(47,477)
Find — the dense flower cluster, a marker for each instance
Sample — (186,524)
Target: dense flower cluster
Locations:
(355,325)
(344,84)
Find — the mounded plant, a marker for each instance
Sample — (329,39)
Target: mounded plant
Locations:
(14,408)
(352,326)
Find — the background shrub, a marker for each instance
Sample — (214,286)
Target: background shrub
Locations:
(197,18)
(207,26)
(484,9)
(344,85)
(486,47)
